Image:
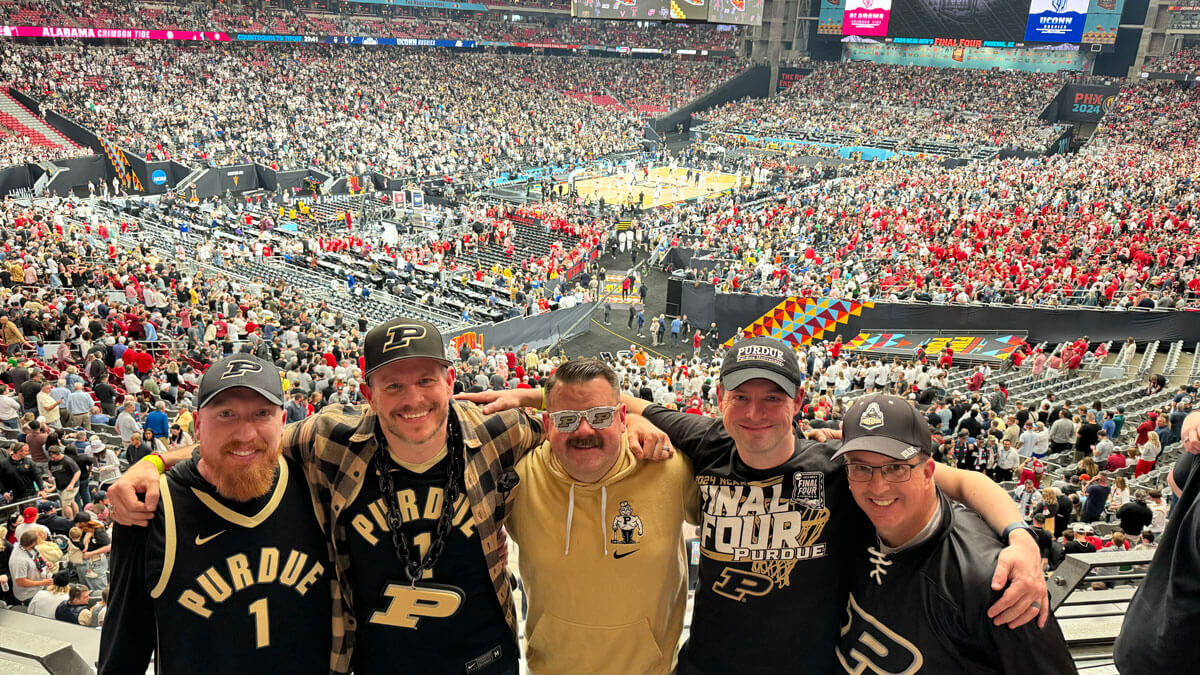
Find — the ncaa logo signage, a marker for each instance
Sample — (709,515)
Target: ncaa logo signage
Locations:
(158,177)
(239,368)
(400,336)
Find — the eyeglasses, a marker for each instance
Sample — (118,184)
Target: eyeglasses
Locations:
(600,417)
(892,473)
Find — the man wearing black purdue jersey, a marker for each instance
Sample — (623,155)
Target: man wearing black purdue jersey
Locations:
(920,589)
(778,525)
(233,574)
(411,490)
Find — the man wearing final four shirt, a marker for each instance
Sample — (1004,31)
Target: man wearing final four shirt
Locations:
(919,592)
(779,526)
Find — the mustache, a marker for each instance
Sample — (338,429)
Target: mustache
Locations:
(233,446)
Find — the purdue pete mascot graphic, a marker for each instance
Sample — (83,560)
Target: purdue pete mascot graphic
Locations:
(625,522)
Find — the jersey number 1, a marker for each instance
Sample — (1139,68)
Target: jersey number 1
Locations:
(262,624)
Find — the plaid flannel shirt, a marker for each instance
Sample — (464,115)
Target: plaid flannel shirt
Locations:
(335,448)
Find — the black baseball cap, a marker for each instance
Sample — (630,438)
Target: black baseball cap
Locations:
(401,339)
(885,424)
(761,358)
(241,370)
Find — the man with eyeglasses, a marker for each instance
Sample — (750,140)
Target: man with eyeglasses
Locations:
(778,525)
(919,593)
(600,535)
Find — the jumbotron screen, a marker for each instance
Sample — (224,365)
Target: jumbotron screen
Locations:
(744,12)
(954,22)
(634,10)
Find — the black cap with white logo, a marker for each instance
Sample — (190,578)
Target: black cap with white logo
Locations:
(241,370)
(761,358)
(400,339)
(885,424)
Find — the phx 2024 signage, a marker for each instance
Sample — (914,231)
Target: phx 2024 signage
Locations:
(1086,102)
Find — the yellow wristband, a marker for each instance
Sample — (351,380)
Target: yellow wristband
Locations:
(543,405)
(157,461)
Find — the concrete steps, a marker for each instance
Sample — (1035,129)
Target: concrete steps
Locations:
(18,118)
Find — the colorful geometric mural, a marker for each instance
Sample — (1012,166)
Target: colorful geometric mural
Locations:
(877,342)
(998,347)
(802,320)
(969,347)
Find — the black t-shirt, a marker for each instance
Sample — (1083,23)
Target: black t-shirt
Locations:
(1134,516)
(63,470)
(773,571)
(1161,624)
(1045,541)
(1078,546)
(20,478)
(29,391)
(394,639)
(1088,435)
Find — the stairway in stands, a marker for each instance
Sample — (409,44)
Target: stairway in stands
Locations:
(18,118)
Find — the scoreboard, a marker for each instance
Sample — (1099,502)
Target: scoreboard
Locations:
(964,23)
(741,12)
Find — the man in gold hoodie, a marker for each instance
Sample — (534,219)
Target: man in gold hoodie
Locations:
(601,536)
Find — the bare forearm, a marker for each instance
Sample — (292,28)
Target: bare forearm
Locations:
(980,494)
(173,457)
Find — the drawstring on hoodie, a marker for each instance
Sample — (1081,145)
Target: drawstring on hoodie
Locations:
(571,517)
(603,510)
(881,562)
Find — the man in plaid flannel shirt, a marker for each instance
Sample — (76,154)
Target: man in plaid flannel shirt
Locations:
(425,601)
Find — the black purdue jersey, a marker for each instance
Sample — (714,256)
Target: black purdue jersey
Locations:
(216,586)
(924,609)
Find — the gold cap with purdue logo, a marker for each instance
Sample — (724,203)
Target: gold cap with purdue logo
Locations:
(241,370)
(401,339)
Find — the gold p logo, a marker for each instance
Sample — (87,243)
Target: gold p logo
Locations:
(410,604)
(240,367)
(399,336)
(736,584)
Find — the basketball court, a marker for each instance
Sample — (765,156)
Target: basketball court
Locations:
(659,186)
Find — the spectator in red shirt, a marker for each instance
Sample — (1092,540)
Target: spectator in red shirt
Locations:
(946,360)
(1145,428)
(1115,461)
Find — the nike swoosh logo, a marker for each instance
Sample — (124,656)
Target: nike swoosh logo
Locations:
(618,556)
(202,541)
